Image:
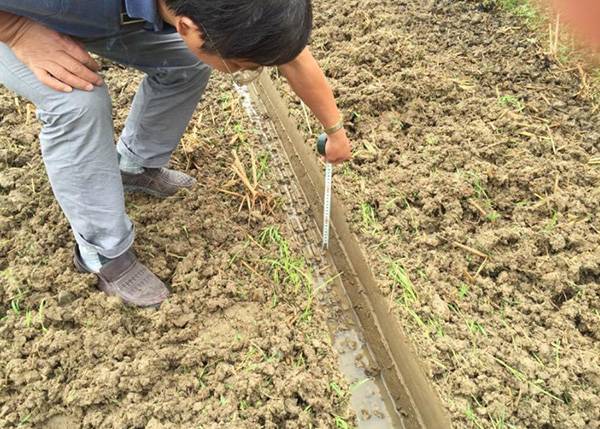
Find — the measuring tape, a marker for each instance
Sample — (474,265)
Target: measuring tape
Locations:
(321,143)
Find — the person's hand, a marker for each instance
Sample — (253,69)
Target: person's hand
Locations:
(338,148)
(57,60)
(581,17)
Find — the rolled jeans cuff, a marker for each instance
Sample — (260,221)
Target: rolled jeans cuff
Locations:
(156,162)
(114,252)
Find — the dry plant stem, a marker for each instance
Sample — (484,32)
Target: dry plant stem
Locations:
(595,160)
(478,207)
(253,194)
(306,117)
(481,267)
(551,139)
(470,250)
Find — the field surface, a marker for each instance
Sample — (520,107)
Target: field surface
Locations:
(238,345)
(475,194)
(473,191)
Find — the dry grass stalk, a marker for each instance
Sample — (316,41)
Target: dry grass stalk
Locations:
(470,250)
(551,139)
(556,179)
(553,34)
(306,118)
(481,267)
(253,196)
(478,207)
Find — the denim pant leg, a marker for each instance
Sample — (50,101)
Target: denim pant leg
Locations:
(167,97)
(79,155)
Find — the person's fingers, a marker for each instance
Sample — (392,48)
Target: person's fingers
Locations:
(65,76)
(78,69)
(48,80)
(77,51)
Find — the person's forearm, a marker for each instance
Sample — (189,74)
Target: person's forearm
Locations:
(11,26)
(308,81)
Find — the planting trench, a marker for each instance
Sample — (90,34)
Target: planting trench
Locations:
(410,400)
(474,192)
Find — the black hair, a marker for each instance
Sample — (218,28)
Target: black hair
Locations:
(267,32)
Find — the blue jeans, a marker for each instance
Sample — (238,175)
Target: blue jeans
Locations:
(77,130)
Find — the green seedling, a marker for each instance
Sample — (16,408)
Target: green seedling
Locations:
(236,255)
(511,102)
(498,422)
(285,268)
(431,140)
(264,161)
(521,8)
(556,346)
(470,414)
(422,274)
(413,220)
(307,312)
(475,327)
(417,318)
(552,222)
(299,362)
(24,420)
(478,187)
(341,423)
(492,216)
(524,379)
(274,300)
(337,389)
(240,132)
(463,290)
(369,220)
(248,362)
(15,305)
(358,383)
(392,202)
(225,100)
(41,314)
(400,278)
(481,193)
(288,269)
(537,358)
(436,326)
(28,318)
(200,378)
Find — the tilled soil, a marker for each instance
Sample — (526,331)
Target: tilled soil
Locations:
(237,345)
(471,177)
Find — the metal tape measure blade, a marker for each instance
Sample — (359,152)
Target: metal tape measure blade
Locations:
(327,204)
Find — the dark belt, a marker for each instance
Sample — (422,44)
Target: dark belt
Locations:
(126,19)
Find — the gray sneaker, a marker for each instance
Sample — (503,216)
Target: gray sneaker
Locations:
(129,279)
(159,182)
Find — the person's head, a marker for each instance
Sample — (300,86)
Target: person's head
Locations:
(232,35)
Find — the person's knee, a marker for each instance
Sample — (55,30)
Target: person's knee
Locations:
(84,107)
(77,126)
